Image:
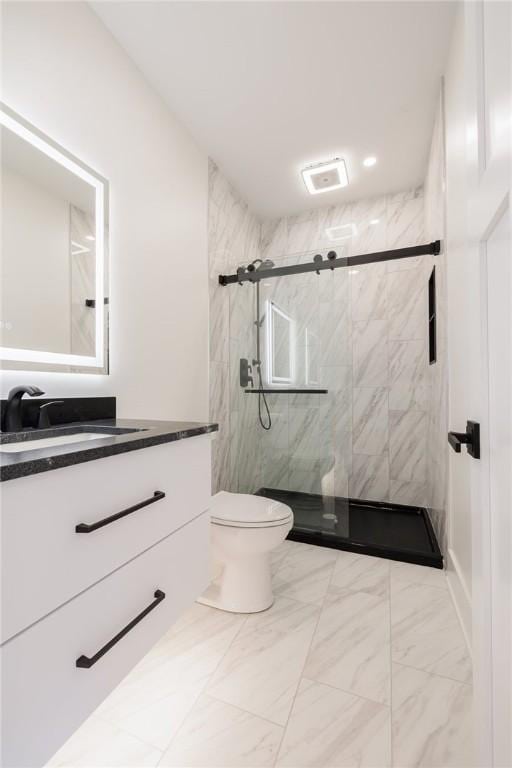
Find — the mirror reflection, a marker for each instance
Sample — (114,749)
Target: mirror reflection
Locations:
(49,255)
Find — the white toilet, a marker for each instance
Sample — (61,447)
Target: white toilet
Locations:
(244,529)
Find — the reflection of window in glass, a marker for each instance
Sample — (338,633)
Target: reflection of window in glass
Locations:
(280,346)
(312,356)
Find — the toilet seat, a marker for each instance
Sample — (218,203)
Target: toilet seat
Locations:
(243,510)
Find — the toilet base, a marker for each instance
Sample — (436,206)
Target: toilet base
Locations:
(241,586)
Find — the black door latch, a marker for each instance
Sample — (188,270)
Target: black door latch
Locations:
(471,438)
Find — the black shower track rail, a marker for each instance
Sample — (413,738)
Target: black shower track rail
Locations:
(333,262)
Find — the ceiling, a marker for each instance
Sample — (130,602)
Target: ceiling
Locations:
(267,88)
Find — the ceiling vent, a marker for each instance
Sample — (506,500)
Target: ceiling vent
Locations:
(325,177)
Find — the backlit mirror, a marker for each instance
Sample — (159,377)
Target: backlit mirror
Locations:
(54,297)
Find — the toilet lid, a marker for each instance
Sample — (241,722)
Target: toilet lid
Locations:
(243,509)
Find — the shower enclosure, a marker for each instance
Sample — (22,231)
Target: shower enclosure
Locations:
(309,387)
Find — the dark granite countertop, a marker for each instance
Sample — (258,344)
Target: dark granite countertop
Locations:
(131,435)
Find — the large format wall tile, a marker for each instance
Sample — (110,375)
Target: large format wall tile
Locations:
(406,295)
(369,478)
(407,362)
(405,225)
(368,292)
(302,232)
(408,445)
(409,492)
(408,396)
(370,420)
(370,353)
(370,219)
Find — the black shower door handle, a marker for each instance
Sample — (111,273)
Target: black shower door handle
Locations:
(86,662)
(89,527)
(471,438)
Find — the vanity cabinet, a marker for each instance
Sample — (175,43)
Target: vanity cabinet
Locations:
(49,562)
(68,595)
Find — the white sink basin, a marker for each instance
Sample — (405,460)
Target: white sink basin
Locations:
(49,442)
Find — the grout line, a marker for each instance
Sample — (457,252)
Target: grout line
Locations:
(203,692)
(349,693)
(306,656)
(433,674)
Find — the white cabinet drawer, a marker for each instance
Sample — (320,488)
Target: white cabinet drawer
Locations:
(45,562)
(45,696)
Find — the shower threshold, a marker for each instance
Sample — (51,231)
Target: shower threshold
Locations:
(381,529)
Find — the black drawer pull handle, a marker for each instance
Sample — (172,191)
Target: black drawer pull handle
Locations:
(86,528)
(471,438)
(86,662)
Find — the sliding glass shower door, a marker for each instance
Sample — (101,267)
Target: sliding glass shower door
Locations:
(291,436)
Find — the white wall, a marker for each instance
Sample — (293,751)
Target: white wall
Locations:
(64,72)
(35,266)
(459,289)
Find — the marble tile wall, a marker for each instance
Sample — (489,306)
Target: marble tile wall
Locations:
(233,239)
(372,322)
(368,437)
(437,414)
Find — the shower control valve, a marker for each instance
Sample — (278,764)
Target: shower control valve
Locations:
(245,373)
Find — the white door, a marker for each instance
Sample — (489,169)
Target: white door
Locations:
(489,227)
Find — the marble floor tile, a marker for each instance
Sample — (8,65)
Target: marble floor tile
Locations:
(218,735)
(431,721)
(300,684)
(98,744)
(425,631)
(262,668)
(187,655)
(350,648)
(278,555)
(158,722)
(418,574)
(328,727)
(305,574)
(361,573)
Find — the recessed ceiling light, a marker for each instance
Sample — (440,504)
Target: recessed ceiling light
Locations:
(324,177)
(369,161)
(374,221)
(341,232)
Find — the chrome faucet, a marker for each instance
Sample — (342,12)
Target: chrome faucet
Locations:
(12,419)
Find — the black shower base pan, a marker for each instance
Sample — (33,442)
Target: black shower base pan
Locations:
(394,531)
